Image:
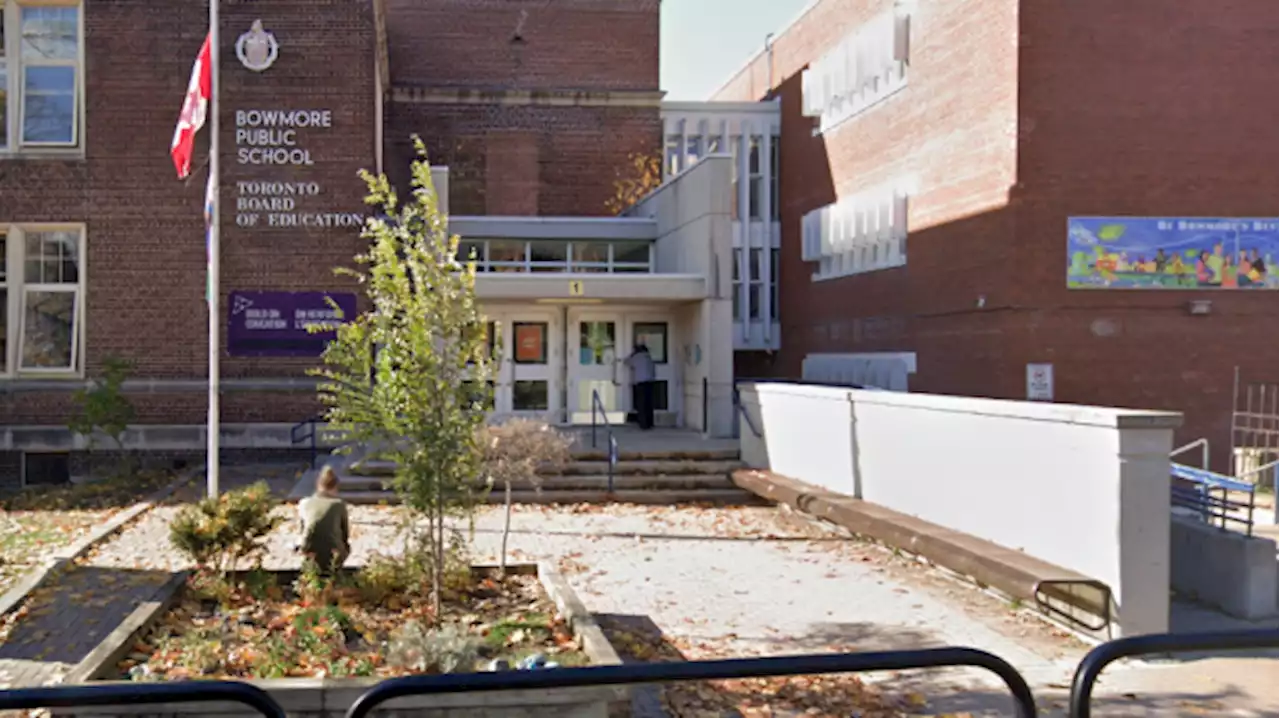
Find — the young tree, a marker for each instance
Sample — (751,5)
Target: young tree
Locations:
(516,451)
(103,407)
(403,376)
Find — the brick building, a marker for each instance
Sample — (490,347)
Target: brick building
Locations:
(932,153)
(101,250)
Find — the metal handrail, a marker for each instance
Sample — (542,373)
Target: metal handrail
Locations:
(125,694)
(632,673)
(1204,451)
(1100,657)
(310,425)
(596,401)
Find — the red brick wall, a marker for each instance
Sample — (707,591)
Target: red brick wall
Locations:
(1132,122)
(1180,122)
(570,44)
(145,237)
(952,129)
(566,161)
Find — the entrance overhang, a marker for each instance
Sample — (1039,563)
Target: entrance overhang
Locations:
(587,289)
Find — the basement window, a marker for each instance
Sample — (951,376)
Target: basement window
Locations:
(46,468)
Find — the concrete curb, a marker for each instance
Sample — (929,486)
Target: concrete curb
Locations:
(65,556)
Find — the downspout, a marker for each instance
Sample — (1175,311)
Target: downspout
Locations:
(768,49)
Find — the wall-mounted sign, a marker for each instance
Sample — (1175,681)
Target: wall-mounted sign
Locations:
(257,49)
(575,288)
(1040,382)
(1172,253)
(275,323)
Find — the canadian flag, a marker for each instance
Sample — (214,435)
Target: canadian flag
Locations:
(195,107)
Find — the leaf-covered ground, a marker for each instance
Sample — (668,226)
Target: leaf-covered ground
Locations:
(281,634)
(40,520)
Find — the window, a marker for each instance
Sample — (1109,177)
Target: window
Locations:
(654,337)
(692,151)
(862,233)
(40,77)
(863,68)
(672,165)
(776,281)
(775,193)
(755,290)
(46,469)
(41,293)
(737,284)
(549,255)
(755,179)
(736,150)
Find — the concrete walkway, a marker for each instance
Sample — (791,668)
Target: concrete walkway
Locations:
(732,582)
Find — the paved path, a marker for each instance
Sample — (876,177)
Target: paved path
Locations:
(745,581)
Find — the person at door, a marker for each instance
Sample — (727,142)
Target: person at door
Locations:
(641,365)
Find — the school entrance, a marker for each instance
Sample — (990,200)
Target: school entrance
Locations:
(552,360)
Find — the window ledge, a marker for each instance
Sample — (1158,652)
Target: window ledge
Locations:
(42,155)
(819,277)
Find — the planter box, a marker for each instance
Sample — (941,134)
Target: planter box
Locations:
(331,697)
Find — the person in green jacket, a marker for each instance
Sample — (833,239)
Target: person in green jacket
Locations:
(326,530)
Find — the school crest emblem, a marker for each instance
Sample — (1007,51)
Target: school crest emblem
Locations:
(257,49)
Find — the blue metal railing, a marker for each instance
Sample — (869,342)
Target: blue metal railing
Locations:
(305,431)
(629,674)
(1209,496)
(598,403)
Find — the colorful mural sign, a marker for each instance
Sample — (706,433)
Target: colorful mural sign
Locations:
(1172,253)
(275,323)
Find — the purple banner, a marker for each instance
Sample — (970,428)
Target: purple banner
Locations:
(275,323)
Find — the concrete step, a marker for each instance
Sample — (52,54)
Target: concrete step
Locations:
(670,462)
(649,467)
(575,482)
(723,497)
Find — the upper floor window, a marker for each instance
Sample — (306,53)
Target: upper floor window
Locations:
(41,299)
(40,75)
(549,255)
(864,67)
(862,233)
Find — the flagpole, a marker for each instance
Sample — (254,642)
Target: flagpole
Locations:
(214,252)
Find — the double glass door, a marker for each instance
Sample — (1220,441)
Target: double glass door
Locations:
(599,345)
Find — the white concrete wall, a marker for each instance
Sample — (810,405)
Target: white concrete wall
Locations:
(695,237)
(1085,488)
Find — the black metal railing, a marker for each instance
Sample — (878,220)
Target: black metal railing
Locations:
(305,431)
(250,696)
(129,694)
(630,674)
(1100,657)
(598,403)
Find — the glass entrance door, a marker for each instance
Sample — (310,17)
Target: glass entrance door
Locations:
(655,334)
(527,383)
(595,367)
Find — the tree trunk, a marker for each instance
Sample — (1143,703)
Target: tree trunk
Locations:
(506,528)
(438,578)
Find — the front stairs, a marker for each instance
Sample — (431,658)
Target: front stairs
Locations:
(662,467)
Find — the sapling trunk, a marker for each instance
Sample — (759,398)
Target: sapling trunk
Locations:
(506,527)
